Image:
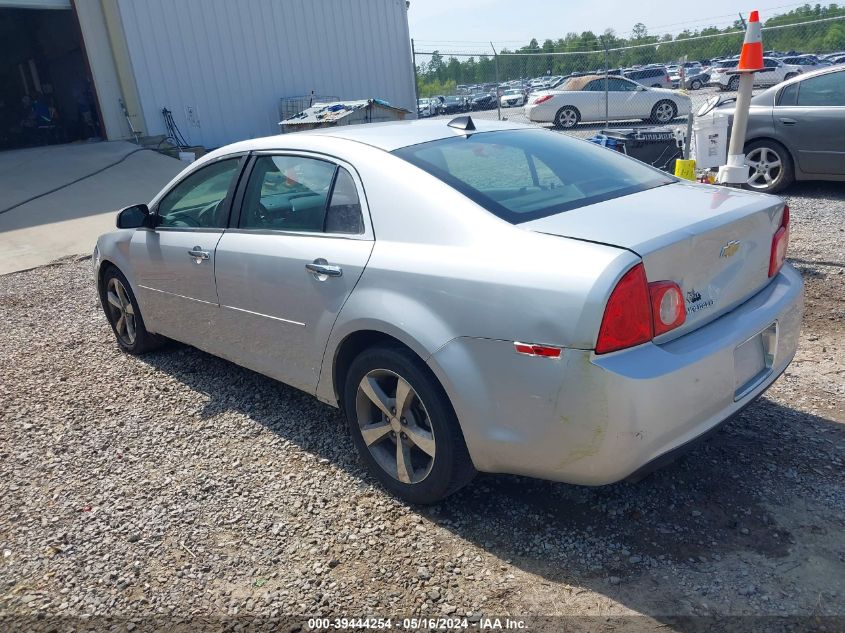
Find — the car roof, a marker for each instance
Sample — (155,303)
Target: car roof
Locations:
(573,84)
(388,136)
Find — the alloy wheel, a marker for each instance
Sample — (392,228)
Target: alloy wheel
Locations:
(765,168)
(121,312)
(395,426)
(664,112)
(567,118)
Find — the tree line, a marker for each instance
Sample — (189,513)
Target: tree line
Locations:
(441,74)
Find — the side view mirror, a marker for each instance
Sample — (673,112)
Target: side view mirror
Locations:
(641,88)
(135,217)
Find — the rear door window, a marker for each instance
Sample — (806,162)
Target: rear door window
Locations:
(287,193)
(823,90)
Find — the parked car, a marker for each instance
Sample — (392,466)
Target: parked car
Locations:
(696,80)
(582,99)
(426,108)
(655,77)
(796,131)
(512,98)
(806,62)
(453,104)
(489,304)
(775,71)
(483,101)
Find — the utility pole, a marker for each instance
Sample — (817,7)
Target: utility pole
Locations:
(606,71)
(496,65)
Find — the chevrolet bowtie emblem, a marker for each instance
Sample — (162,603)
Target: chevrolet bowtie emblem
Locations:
(730,249)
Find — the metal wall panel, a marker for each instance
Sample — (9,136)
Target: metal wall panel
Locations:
(233,60)
(34,4)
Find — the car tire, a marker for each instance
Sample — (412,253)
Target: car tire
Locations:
(656,86)
(733,83)
(567,118)
(790,76)
(438,458)
(124,315)
(695,85)
(767,152)
(664,111)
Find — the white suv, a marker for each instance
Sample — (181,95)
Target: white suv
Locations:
(775,71)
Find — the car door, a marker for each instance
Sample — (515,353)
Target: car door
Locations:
(625,99)
(810,116)
(285,268)
(589,100)
(174,262)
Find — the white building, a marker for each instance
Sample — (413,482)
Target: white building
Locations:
(220,66)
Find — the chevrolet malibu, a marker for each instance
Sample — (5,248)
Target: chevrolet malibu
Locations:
(473,296)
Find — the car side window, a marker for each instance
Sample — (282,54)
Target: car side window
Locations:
(199,200)
(770,63)
(287,193)
(344,212)
(823,90)
(620,85)
(789,95)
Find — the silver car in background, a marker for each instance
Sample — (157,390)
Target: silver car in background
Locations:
(474,296)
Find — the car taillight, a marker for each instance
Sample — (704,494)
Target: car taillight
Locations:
(637,311)
(542,99)
(667,306)
(627,316)
(779,243)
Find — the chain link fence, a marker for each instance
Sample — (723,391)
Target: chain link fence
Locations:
(583,83)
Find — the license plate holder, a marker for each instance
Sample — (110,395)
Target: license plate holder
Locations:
(753,360)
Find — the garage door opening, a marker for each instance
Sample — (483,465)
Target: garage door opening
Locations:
(46,92)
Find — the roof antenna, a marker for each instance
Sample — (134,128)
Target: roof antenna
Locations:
(462,123)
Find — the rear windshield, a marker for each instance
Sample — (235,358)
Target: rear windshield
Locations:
(522,175)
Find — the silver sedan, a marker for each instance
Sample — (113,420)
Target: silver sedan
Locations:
(474,296)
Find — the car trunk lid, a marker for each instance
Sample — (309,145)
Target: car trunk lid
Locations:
(714,242)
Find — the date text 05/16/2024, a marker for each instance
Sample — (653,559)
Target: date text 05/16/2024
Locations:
(416,624)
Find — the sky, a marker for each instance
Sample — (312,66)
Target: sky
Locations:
(466,25)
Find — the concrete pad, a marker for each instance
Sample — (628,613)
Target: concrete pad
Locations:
(68,221)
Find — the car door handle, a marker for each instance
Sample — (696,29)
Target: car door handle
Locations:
(787,121)
(320,267)
(198,254)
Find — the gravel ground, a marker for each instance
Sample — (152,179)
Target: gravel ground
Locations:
(179,485)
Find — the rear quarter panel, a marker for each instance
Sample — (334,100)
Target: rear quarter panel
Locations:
(443,267)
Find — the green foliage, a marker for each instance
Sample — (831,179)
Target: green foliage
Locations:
(436,87)
(586,51)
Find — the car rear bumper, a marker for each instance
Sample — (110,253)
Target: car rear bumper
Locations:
(589,419)
(538,113)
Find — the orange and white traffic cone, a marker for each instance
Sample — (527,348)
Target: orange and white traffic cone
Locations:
(750,62)
(751,58)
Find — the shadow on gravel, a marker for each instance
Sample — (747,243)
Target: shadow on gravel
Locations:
(709,503)
(815,190)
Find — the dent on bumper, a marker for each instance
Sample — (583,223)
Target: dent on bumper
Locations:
(594,420)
